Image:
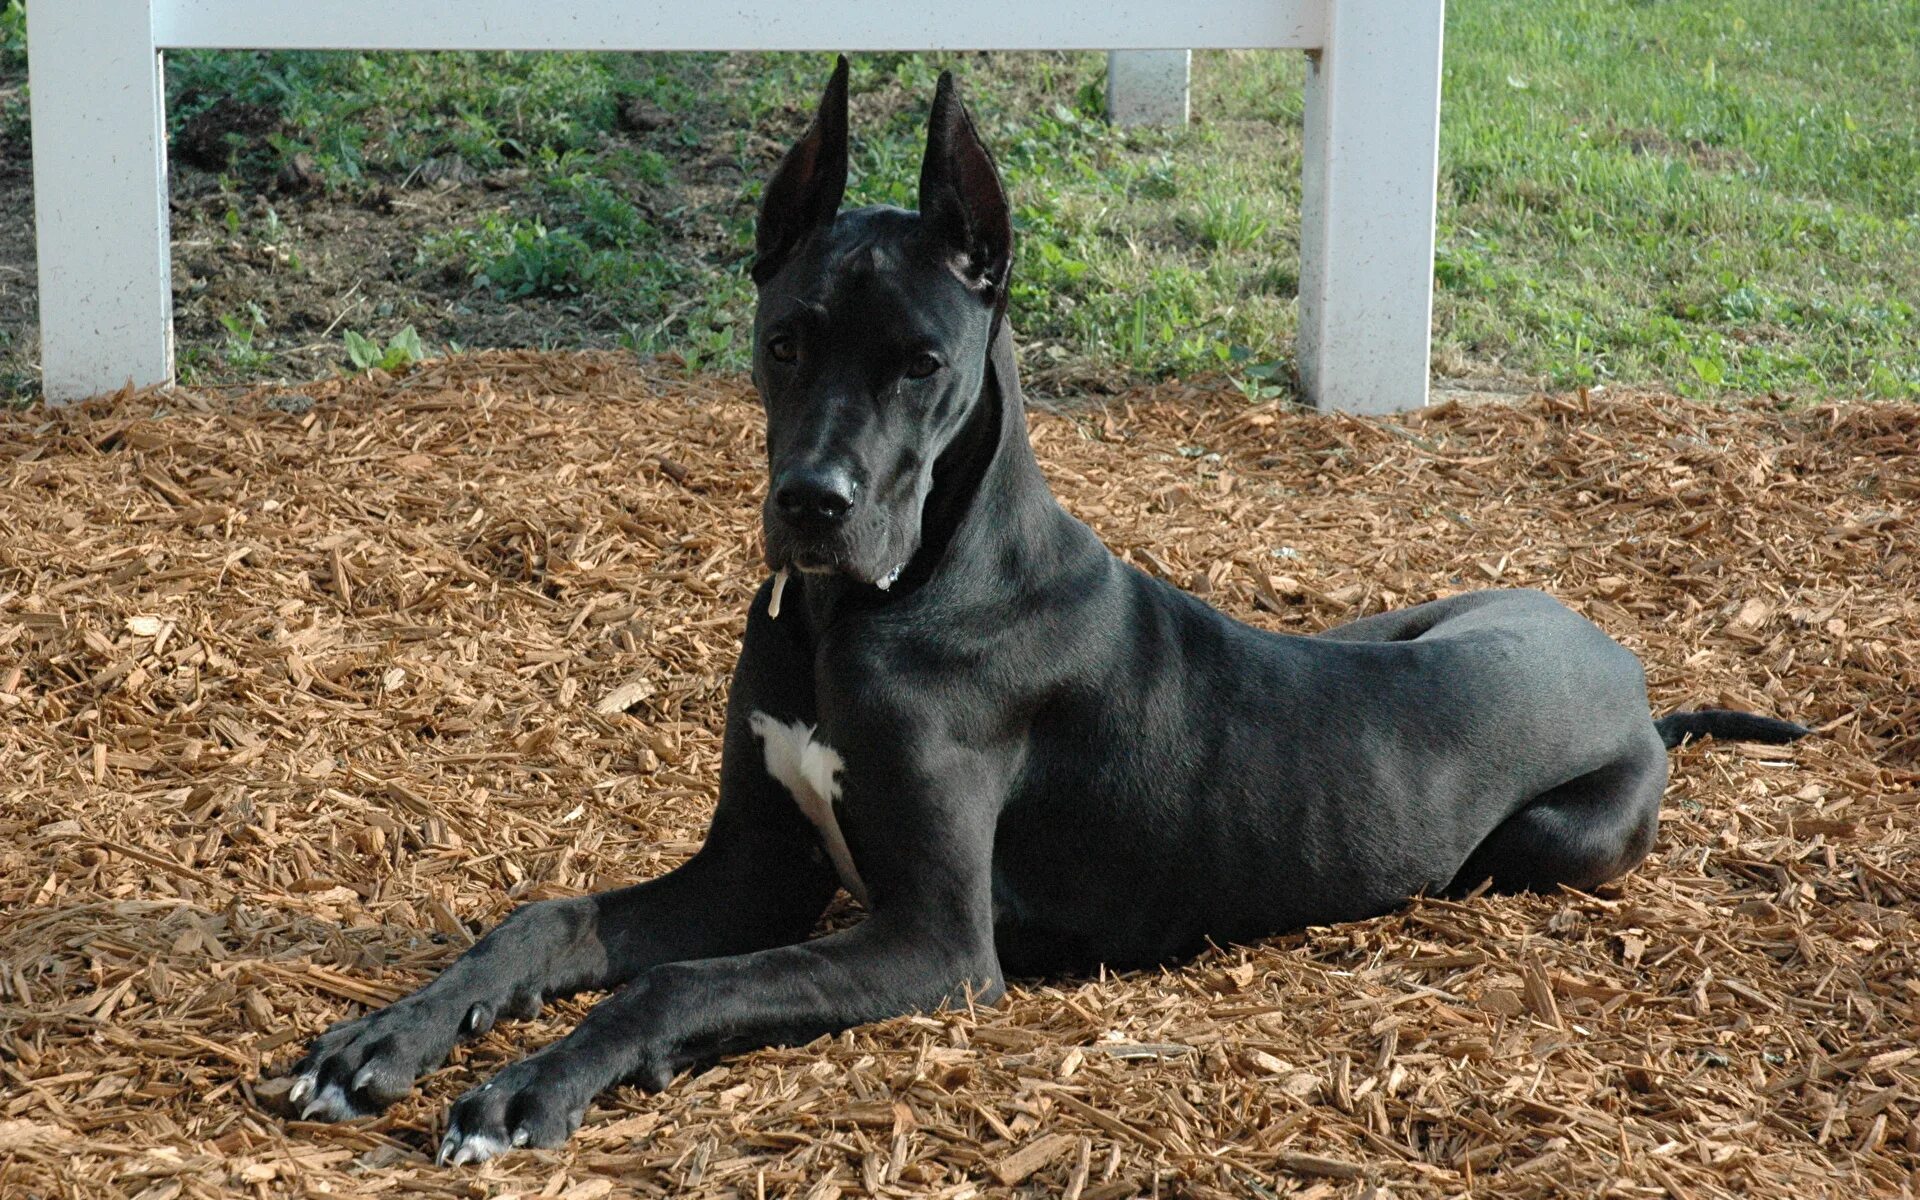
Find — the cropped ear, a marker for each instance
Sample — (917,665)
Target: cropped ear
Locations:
(961,199)
(805,192)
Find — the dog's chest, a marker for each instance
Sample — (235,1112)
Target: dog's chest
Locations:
(809,770)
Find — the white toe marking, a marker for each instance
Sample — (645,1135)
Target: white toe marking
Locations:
(475,1148)
(330,1105)
(808,770)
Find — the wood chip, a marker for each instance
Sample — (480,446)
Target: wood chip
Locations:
(1015,1167)
(1319,1165)
(624,697)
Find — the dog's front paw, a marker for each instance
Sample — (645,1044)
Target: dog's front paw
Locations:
(359,1067)
(537,1101)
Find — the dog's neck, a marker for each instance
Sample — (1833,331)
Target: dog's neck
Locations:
(988,496)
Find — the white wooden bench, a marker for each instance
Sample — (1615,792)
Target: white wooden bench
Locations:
(1372,131)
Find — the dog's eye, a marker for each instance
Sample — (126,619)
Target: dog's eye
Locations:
(923,365)
(783,349)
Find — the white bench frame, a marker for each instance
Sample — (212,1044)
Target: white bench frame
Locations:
(1372,133)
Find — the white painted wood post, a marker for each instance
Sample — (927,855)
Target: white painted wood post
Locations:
(99,196)
(1148,87)
(1367,206)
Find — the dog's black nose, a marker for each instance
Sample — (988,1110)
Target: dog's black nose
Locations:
(814,495)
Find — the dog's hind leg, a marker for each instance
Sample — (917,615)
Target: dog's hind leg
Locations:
(1580,834)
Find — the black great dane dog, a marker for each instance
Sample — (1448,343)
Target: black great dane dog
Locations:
(1023,755)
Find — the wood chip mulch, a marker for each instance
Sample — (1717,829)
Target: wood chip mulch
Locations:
(301,689)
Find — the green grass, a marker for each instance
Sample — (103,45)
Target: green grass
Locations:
(1722,196)
(1144,252)
(13,65)
(13,36)
(362,115)
(1716,195)
(1711,196)
(601,245)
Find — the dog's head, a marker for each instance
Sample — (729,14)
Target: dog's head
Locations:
(870,338)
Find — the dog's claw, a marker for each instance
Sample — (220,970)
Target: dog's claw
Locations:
(358,1067)
(478,1020)
(332,1104)
(458,1148)
(527,1104)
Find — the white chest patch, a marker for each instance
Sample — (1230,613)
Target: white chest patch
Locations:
(809,771)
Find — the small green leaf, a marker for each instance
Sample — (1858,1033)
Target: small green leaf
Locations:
(362,352)
(404,350)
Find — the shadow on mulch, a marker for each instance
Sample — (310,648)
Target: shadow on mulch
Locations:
(296,694)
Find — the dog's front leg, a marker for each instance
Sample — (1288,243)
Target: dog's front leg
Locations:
(760,880)
(681,1014)
(928,941)
(720,902)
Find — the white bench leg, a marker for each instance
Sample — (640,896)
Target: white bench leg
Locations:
(100,196)
(1366,219)
(1148,87)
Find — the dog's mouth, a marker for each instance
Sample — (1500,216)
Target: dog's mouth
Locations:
(816,564)
(864,548)
(813,567)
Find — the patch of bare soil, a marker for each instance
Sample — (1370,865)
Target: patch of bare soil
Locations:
(350,258)
(298,693)
(19,313)
(347,262)
(1701,153)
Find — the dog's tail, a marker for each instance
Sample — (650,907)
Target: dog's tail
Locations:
(1728,726)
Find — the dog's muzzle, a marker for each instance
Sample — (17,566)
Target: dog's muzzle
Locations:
(809,516)
(809,513)
(814,500)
